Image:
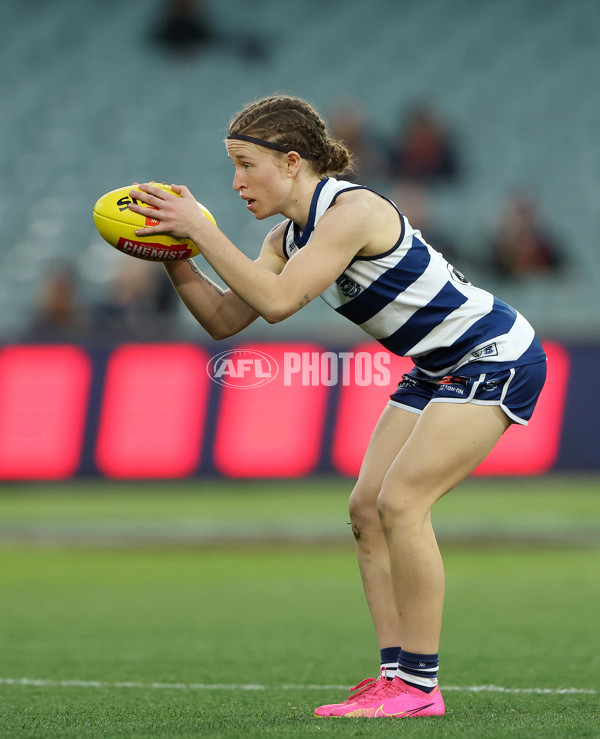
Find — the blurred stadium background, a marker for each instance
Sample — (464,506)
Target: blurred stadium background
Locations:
(135,545)
(101,93)
(96,96)
(91,103)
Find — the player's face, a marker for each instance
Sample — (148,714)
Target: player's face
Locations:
(260,178)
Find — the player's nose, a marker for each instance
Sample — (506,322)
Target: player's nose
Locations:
(237,181)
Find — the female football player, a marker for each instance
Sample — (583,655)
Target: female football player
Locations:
(479,366)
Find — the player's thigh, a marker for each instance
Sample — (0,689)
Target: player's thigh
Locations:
(447,443)
(393,428)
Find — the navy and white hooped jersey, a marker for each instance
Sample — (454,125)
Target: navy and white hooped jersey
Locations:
(417,305)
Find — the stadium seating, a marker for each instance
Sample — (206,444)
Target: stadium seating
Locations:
(90,104)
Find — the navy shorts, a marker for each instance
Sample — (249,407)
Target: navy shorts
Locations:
(515,390)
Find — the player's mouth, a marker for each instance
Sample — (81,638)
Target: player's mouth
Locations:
(249,203)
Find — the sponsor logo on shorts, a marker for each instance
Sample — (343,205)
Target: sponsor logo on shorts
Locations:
(490,385)
(408,381)
(454,380)
(454,389)
(454,384)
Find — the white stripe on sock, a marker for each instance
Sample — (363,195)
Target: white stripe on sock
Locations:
(426,682)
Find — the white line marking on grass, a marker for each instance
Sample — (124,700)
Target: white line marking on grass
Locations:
(32,682)
(500,689)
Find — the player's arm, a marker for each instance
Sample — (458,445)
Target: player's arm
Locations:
(220,311)
(340,234)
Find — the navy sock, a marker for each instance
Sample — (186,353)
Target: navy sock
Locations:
(418,670)
(389,661)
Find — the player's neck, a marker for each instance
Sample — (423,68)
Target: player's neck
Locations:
(297,208)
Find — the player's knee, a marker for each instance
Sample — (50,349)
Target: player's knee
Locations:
(362,507)
(398,507)
(388,509)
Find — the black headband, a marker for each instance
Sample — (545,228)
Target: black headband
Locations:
(268,144)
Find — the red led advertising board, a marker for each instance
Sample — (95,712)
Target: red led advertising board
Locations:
(254,410)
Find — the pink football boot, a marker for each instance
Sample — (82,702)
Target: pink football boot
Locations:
(365,688)
(394,700)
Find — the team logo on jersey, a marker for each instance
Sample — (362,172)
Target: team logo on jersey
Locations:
(490,350)
(457,275)
(347,285)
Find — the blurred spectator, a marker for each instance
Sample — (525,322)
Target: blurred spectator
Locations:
(414,202)
(185,29)
(140,304)
(59,315)
(522,245)
(424,151)
(347,123)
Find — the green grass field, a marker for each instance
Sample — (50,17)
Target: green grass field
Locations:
(233,609)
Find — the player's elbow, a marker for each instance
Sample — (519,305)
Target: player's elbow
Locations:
(277,313)
(274,317)
(218,335)
(220,331)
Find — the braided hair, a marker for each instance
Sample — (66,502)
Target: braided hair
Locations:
(294,124)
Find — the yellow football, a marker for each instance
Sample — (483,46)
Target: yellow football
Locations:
(117,225)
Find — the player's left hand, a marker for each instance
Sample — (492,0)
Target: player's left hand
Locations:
(177,216)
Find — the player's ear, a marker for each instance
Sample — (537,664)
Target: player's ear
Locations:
(293,162)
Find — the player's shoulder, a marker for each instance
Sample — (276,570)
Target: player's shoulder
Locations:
(274,239)
(277,233)
(360,194)
(279,229)
(362,205)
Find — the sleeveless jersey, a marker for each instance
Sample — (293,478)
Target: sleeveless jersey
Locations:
(416,304)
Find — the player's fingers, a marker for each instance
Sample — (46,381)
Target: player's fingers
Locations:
(142,209)
(150,190)
(153,231)
(145,197)
(182,190)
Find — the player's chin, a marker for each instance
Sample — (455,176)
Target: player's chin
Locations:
(260,215)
